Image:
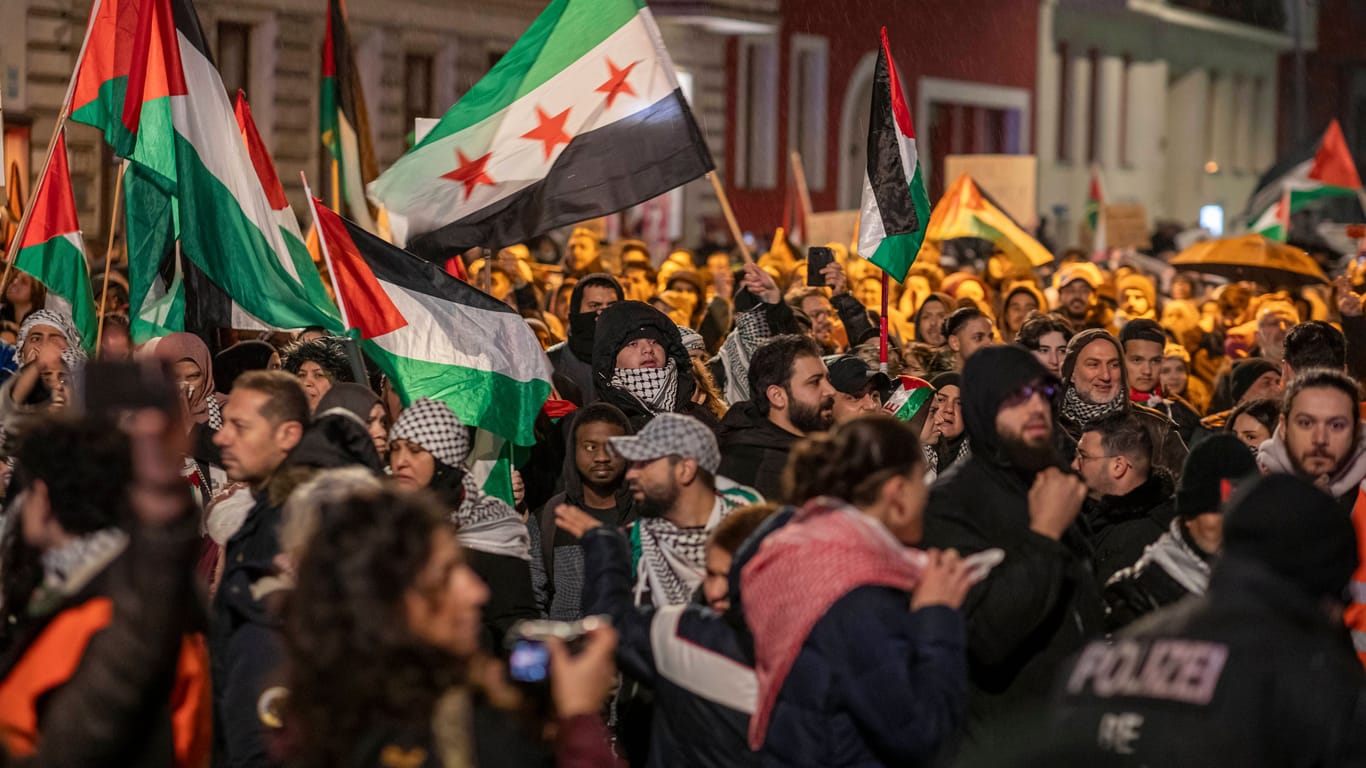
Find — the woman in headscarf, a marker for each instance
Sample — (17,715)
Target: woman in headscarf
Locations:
(428,448)
(242,357)
(187,358)
(361,402)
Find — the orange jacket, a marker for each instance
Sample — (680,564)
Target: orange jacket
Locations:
(1355,615)
(52,659)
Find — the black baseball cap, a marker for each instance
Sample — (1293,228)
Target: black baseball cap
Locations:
(851,375)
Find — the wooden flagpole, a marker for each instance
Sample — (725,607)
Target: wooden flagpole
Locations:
(803,192)
(109,253)
(730,216)
(327,254)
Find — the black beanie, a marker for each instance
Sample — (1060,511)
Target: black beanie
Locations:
(1142,329)
(1082,341)
(1246,373)
(1219,457)
(1300,532)
(992,374)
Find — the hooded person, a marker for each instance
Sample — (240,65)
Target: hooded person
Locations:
(1137,297)
(594,481)
(641,366)
(1042,602)
(947,441)
(1019,299)
(1095,385)
(428,448)
(242,357)
(572,359)
(930,317)
(361,402)
(1268,677)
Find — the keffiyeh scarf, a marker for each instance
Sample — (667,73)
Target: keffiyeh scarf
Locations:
(751,330)
(63,324)
(672,559)
(1078,411)
(657,388)
(70,567)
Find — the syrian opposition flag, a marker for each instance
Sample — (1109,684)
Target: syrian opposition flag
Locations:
(434,335)
(147,81)
(50,249)
(895,209)
(1324,170)
(344,123)
(581,118)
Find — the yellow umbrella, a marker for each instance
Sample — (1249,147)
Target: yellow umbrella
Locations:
(1252,257)
(967,211)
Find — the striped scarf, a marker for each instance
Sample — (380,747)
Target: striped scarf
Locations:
(1078,411)
(656,388)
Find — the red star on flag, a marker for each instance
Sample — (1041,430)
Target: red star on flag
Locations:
(616,83)
(549,130)
(471,173)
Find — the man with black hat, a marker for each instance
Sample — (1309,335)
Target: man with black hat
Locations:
(1257,672)
(572,359)
(1095,385)
(1178,563)
(1042,602)
(859,388)
(1251,379)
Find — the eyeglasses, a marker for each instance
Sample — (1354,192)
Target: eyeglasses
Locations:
(1027,392)
(1083,458)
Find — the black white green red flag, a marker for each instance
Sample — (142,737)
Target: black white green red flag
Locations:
(896,209)
(581,118)
(436,336)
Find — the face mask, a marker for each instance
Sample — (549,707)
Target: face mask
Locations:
(581,328)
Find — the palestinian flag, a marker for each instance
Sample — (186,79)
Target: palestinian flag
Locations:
(161,103)
(50,249)
(434,335)
(279,206)
(344,122)
(967,210)
(896,208)
(908,396)
(1318,172)
(581,118)
(1274,222)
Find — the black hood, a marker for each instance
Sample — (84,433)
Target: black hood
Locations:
(624,321)
(744,425)
(596,278)
(573,483)
(335,440)
(988,377)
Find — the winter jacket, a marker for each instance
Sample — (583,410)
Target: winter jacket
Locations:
(510,594)
(1252,674)
(697,662)
(1171,568)
(245,648)
(616,326)
(1119,528)
(1042,602)
(875,684)
(572,359)
(117,672)
(556,557)
(754,450)
(1181,413)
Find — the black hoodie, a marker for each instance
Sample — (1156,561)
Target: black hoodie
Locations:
(556,558)
(1042,602)
(754,450)
(572,359)
(622,323)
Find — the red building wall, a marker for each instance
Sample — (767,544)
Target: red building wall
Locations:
(992,42)
(1330,72)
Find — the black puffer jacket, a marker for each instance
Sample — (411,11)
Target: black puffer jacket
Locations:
(1119,528)
(572,359)
(619,324)
(1042,602)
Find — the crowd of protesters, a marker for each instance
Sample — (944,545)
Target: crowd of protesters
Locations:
(1095,513)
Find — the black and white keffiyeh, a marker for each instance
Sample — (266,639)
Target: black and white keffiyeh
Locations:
(673,557)
(483,522)
(751,330)
(1079,411)
(63,324)
(68,567)
(657,388)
